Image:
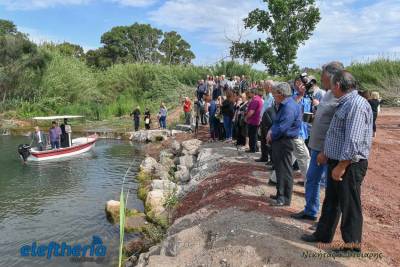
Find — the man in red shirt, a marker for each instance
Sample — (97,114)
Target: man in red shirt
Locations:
(187,108)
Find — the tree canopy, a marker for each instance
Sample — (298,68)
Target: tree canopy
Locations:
(287,24)
(140,43)
(175,49)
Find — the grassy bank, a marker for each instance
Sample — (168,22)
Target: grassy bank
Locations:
(382,75)
(68,86)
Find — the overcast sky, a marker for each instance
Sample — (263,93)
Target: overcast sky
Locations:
(350,30)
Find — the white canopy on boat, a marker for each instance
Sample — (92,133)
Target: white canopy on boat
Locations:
(57,117)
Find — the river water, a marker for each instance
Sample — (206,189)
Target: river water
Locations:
(62,201)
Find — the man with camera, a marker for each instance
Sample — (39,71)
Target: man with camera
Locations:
(323,116)
(302,97)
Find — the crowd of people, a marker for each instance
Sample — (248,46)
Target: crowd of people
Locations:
(326,133)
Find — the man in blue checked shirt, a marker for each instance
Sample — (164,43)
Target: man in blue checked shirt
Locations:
(346,149)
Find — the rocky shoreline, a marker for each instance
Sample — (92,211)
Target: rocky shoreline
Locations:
(206,204)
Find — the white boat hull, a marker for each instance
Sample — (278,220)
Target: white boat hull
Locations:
(79,146)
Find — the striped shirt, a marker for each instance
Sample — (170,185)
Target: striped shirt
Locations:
(349,136)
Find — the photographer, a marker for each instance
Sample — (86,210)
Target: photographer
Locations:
(301,96)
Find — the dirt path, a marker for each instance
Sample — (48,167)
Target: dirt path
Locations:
(239,187)
(381,189)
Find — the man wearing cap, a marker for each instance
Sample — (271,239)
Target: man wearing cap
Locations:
(285,128)
(253,117)
(346,149)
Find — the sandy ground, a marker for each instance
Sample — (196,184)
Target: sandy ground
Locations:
(381,189)
(230,213)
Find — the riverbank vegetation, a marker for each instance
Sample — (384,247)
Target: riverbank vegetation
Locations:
(108,82)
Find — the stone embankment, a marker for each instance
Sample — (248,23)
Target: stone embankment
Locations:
(207,204)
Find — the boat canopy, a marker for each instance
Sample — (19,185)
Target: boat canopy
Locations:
(57,117)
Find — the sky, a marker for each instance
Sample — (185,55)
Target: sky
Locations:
(350,30)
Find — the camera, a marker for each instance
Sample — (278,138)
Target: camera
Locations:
(308,82)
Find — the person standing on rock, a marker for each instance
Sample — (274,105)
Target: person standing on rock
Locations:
(285,128)
(147,119)
(323,117)
(163,116)
(346,150)
(136,118)
(187,109)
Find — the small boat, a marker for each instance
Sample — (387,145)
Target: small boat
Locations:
(78,146)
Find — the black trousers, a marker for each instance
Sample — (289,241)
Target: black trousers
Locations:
(343,198)
(282,150)
(136,123)
(264,148)
(252,132)
(375,115)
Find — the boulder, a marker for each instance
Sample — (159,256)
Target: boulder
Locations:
(148,165)
(112,211)
(155,201)
(184,128)
(164,185)
(150,135)
(175,132)
(176,147)
(136,246)
(135,223)
(166,159)
(187,161)
(182,174)
(161,172)
(191,147)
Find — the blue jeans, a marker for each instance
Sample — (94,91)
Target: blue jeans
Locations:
(163,122)
(228,127)
(55,144)
(314,175)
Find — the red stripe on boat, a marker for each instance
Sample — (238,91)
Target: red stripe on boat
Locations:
(61,151)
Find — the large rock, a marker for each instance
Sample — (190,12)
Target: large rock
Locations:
(164,185)
(155,201)
(176,147)
(191,239)
(150,135)
(135,223)
(191,147)
(184,128)
(112,211)
(166,159)
(148,165)
(182,174)
(136,246)
(187,161)
(161,172)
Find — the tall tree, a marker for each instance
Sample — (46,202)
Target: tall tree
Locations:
(175,50)
(7,27)
(137,43)
(20,64)
(287,24)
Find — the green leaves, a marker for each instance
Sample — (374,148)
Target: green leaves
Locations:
(175,50)
(287,24)
(121,226)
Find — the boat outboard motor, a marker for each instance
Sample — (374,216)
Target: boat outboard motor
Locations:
(23,151)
